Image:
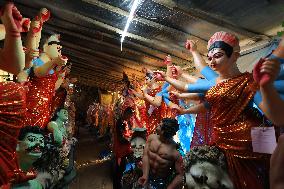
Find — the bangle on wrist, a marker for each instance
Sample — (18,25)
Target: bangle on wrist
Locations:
(15,34)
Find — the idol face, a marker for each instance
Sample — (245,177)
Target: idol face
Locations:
(63,114)
(207,175)
(137,145)
(31,146)
(149,78)
(218,60)
(53,50)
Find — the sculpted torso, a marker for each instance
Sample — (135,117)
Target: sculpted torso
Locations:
(161,157)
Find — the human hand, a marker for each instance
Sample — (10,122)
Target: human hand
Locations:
(181,110)
(174,106)
(25,23)
(174,71)
(36,25)
(159,75)
(145,89)
(191,45)
(266,71)
(168,60)
(176,93)
(178,70)
(44,14)
(143,180)
(22,77)
(60,60)
(13,20)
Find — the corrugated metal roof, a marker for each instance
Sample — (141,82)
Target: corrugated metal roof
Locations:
(91,29)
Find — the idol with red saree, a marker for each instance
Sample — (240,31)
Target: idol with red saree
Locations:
(232,118)
(42,83)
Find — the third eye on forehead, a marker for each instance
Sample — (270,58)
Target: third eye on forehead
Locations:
(215,56)
(214,51)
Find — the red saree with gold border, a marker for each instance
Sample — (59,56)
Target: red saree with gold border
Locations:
(232,120)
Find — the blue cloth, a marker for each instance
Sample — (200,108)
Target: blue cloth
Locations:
(278,83)
(164,89)
(186,128)
(186,125)
(165,86)
(164,93)
(203,86)
(201,95)
(281,60)
(272,56)
(279,86)
(166,98)
(161,93)
(208,73)
(38,62)
(257,98)
(129,167)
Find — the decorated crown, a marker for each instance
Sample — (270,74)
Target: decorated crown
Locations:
(228,38)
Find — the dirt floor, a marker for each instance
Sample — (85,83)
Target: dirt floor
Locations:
(93,171)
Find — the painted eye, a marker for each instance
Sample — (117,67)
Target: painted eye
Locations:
(31,139)
(215,56)
(218,55)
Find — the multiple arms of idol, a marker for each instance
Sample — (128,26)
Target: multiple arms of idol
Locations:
(264,99)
